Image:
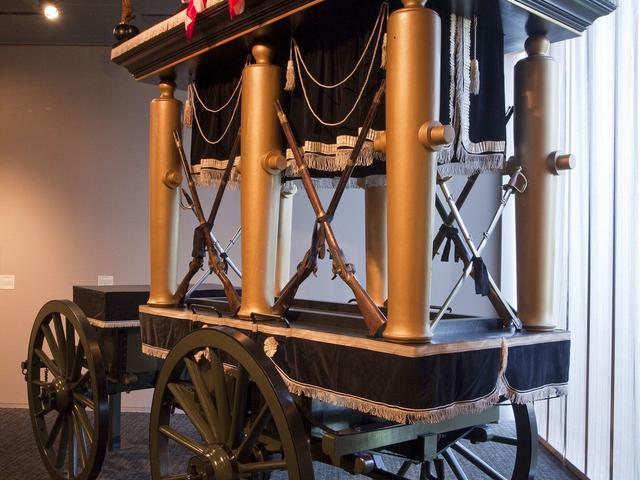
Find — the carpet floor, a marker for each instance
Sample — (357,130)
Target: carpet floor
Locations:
(19,458)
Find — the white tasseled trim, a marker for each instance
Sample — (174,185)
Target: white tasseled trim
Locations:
(155,351)
(113,324)
(472,157)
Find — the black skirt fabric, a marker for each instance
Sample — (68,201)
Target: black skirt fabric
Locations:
(330,53)
(401,383)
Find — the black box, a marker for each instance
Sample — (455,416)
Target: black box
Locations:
(121,302)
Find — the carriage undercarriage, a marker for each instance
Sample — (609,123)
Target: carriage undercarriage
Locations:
(242,419)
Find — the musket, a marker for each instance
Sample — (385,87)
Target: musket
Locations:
(355,152)
(372,315)
(215,263)
(310,260)
(196,263)
(306,267)
(197,254)
(225,180)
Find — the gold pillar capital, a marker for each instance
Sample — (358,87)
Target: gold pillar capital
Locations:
(262,53)
(537,45)
(166,90)
(413,3)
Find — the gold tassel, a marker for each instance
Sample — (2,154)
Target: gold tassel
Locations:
(383,56)
(188,108)
(290,84)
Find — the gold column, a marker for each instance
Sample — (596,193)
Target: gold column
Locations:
(375,226)
(412,111)
(164,178)
(261,163)
(535,137)
(285,220)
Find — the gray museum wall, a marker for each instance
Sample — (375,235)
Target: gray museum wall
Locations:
(73,190)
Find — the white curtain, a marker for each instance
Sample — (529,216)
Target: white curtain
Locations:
(596,428)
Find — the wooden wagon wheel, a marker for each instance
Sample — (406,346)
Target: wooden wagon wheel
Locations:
(525,445)
(243,421)
(67,390)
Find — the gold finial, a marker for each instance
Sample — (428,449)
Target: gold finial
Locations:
(262,53)
(413,3)
(166,90)
(537,45)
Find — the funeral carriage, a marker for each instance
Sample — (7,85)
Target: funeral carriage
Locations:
(394,98)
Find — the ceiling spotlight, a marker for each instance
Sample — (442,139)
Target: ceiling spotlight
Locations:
(50,11)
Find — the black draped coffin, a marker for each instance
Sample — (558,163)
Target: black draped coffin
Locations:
(324,50)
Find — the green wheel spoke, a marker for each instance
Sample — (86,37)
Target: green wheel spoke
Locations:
(80,441)
(55,430)
(85,422)
(81,399)
(48,363)
(57,324)
(53,345)
(206,401)
(267,466)
(70,350)
(77,362)
(254,432)
(182,439)
(220,390)
(183,398)
(63,445)
(71,451)
(239,406)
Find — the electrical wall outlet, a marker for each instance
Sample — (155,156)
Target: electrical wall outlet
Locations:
(7,282)
(105,280)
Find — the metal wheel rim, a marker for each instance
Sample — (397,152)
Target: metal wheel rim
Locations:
(85,440)
(262,373)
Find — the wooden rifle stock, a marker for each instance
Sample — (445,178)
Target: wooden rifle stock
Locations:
(372,315)
(215,264)
(194,266)
(305,268)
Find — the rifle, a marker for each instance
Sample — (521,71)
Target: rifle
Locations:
(371,314)
(215,263)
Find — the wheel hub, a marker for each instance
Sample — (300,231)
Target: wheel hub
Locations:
(57,396)
(216,464)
